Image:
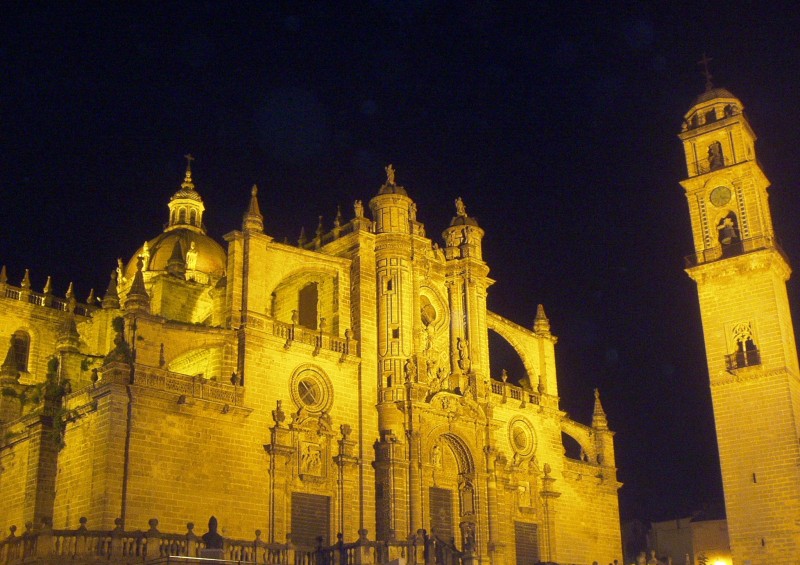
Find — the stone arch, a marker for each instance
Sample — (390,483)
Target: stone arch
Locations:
(454,495)
(286,295)
(462,453)
(581,435)
(206,361)
(514,336)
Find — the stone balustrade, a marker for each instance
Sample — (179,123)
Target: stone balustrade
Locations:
(45,545)
(513,392)
(41,299)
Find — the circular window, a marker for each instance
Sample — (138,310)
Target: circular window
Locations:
(521,437)
(311,389)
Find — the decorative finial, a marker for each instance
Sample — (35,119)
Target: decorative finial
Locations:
(705,61)
(541,325)
(337,221)
(48,285)
(187,180)
(253,220)
(599,420)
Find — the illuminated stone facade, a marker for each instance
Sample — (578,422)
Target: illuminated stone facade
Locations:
(741,278)
(339,385)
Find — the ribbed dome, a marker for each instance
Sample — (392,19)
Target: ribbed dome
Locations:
(712,94)
(211,257)
(189,193)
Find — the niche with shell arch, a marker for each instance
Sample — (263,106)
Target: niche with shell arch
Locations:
(434,319)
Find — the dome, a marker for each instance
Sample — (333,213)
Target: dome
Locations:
(211,257)
(711,94)
(463,221)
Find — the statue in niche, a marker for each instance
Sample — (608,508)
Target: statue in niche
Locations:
(411,370)
(461,209)
(468,535)
(191,258)
(715,158)
(463,355)
(358,209)
(436,456)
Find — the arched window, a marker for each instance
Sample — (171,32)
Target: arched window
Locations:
(21,342)
(182,216)
(193,217)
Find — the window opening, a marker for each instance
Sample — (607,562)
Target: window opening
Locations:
(308,299)
(21,343)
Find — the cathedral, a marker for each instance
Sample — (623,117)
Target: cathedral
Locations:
(339,389)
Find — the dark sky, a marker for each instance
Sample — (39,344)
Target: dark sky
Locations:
(555,122)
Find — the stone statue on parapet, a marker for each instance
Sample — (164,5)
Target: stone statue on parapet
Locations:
(211,538)
(461,209)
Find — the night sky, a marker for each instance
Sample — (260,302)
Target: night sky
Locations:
(556,124)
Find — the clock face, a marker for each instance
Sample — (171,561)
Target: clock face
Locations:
(720,196)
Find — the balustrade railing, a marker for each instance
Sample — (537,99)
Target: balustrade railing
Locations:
(39,299)
(46,545)
(317,339)
(733,249)
(190,386)
(507,390)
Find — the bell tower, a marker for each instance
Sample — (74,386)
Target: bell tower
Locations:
(741,275)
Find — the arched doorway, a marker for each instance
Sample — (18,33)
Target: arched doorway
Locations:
(453,500)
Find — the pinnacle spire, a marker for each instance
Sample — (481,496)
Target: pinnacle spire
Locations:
(111,299)
(138,298)
(68,338)
(253,219)
(599,420)
(3,275)
(176,264)
(541,325)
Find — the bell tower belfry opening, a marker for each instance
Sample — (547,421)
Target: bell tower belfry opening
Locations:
(741,275)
